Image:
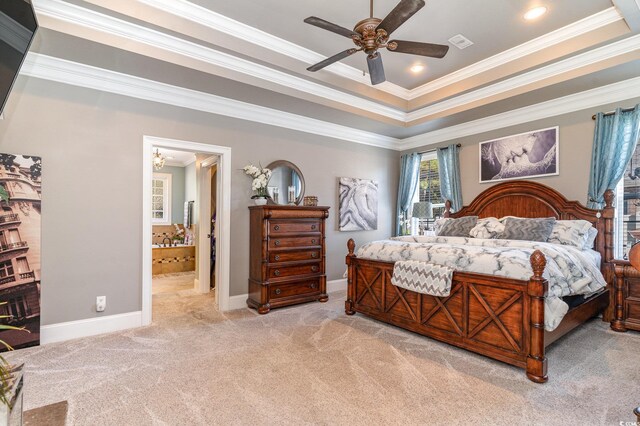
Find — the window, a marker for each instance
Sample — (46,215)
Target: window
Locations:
(18,308)
(161,202)
(6,269)
(428,191)
(627,206)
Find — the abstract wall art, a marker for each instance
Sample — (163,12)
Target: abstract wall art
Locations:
(358,205)
(522,156)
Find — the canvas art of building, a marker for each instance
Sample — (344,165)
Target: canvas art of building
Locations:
(20,180)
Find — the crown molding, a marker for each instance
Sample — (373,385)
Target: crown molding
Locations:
(621,47)
(73,14)
(215,21)
(82,75)
(70,13)
(603,95)
(583,26)
(218,22)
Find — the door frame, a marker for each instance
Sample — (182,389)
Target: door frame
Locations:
(223,243)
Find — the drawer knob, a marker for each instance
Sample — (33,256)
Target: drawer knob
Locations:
(277,227)
(314,268)
(314,255)
(278,291)
(312,285)
(313,241)
(276,273)
(277,242)
(313,227)
(277,257)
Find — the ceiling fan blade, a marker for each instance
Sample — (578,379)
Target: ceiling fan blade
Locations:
(417,48)
(376,69)
(332,59)
(329,26)
(400,14)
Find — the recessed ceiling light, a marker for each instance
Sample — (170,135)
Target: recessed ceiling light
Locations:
(534,13)
(417,68)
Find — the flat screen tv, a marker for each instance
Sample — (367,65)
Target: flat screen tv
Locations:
(18,25)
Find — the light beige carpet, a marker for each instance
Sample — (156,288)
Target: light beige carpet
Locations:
(312,364)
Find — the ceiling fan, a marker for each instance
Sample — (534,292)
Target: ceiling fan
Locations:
(371,34)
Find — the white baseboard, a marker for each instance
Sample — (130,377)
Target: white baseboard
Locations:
(238,302)
(337,285)
(89,327)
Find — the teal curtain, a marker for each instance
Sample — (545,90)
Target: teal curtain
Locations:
(449,171)
(409,179)
(614,141)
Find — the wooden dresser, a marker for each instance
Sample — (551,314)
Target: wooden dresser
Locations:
(287,256)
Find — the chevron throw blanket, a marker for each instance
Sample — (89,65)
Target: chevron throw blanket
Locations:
(422,277)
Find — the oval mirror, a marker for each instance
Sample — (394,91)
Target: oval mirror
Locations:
(286,185)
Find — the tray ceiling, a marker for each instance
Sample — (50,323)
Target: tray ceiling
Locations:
(265,45)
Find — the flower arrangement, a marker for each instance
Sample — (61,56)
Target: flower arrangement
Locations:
(260,177)
(178,237)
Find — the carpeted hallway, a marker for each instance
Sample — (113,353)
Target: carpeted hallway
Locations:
(312,364)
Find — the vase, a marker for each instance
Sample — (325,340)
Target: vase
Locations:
(261,201)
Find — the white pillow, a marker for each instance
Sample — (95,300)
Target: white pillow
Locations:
(592,233)
(488,227)
(570,233)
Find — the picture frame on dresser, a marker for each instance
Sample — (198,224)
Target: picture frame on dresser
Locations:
(287,256)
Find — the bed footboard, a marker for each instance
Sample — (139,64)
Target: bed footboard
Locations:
(497,317)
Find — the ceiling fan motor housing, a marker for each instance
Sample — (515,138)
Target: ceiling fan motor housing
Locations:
(371,38)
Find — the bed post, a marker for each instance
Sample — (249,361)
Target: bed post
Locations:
(348,304)
(537,290)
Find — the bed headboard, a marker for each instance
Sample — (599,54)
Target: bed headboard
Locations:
(531,199)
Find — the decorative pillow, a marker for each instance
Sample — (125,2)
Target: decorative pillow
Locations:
(570,232)
(592,233)
(488,227)
(527,229)
(437,225)
(459,227)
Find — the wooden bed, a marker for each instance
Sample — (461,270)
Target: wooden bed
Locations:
(494,316)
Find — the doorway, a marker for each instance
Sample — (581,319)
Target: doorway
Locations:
(212,160)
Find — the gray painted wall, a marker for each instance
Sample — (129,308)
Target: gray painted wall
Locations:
(177,192)
(576,142)
(92,214)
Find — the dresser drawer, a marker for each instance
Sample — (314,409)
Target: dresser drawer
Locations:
(293,256)
(292,271)
(293,227)
(294,242)
(633,288)
(278,291)
(633,310)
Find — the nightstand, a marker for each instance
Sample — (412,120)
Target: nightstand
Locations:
(626,297)
(626,292)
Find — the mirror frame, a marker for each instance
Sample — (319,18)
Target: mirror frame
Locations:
(281,163)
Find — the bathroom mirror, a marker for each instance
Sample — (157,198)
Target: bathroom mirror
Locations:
(286,185)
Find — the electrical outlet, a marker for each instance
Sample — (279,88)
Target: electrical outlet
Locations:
(101,303)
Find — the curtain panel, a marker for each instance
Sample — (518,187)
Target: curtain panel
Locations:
(409,179)
(449,171)
(615,138)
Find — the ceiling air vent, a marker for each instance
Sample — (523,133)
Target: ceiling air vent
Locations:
(460,41)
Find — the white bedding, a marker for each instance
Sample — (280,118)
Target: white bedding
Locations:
(569,270)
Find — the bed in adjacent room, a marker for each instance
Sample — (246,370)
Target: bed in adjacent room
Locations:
(490,290)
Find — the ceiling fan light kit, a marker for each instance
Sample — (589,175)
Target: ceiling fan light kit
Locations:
(372,33)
